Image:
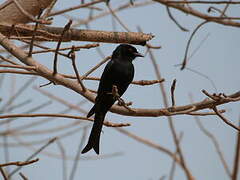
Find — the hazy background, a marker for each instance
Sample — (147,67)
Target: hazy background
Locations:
(218,59)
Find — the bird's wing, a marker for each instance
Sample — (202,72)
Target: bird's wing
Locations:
(105,84)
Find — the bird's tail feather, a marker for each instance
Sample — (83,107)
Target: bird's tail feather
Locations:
(94,138)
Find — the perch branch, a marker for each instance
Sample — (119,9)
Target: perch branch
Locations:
(47,33)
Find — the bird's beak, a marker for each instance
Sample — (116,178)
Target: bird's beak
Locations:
(137,54)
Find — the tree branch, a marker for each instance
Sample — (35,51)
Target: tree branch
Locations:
(193,12)
(43,71)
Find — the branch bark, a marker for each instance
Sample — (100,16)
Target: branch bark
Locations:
(48,33)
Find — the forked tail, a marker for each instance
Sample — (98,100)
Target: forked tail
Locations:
(94,138)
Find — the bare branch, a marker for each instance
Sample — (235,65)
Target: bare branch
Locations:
(65,29)
(75,7)
(46,33)
(33,155)
(172,92)
(62,116)
(63,153)
(191,11)
(19,163)
(203,2)
(23,176)
(33,35)
(175,21)
(77,48)
(170,120)
(215,143)
(95,67)
(3,174)
(72,55)
(76,160)
(236,158)
(224,119)
(188,44)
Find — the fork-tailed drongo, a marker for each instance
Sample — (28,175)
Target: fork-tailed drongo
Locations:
(119,72)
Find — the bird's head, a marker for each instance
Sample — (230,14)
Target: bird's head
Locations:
(127,52)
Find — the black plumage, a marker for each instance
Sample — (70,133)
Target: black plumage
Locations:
(119,72)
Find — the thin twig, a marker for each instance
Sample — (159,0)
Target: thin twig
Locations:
(214,140)
(17,94)
(3,174)
(75,7)
(199,46)
(11,108)
(175,21)
(11,31)
(58,156)
(62,116)
(172,92)
(118,19)
(23,176)
(120,8)
(45,48)
(33,155)
(172,170)
(150,144)
(77,48)
(237,157)
(95,67)
(215,143)
(204,76)
(60,100)
(203,2)
(76,160)
(188,44)
(170,120)
(8,60)
(66,28)
(33,34)
(31,110)
(206,113)
(72,55)
(214,9)
(224,119)
(43,85)
(189,10)
(116,96)
(225,8)
(63,153)
(19,163)
(49,9)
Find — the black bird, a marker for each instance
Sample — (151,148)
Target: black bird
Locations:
(119,72)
